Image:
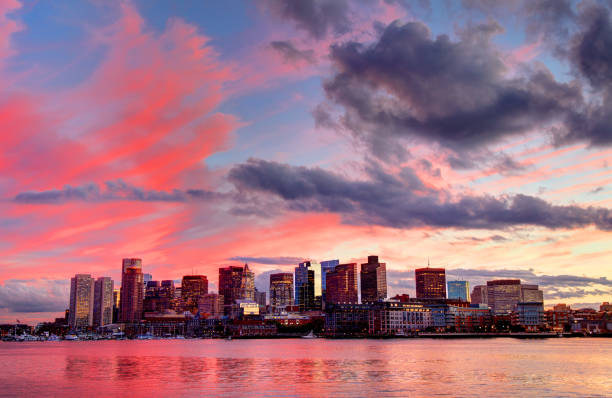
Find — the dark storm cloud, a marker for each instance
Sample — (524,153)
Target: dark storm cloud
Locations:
(44,295)
(112,191)
(268,260)
(453,92)
(291,54)
(316,17)
(403,201)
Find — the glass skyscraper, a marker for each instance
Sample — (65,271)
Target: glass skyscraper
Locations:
(458,290)
(308,290)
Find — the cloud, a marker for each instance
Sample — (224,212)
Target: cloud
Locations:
(112,191)
(268,260)
(458,94)
(316,17)
(291,54)
(403,201)
(41,295)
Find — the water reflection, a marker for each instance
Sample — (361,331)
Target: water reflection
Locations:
(575,367)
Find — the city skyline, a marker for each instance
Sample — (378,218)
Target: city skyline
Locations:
(201,135)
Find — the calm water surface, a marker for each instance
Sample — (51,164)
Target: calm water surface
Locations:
(299,368)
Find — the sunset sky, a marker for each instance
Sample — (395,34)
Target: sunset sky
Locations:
(199,134)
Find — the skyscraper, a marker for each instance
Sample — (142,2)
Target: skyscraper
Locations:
(326,266)
(459,290)
(211,304)
(260,298)
(479,294)
(373,280)
(236,283)
(159,297)
(342,285)
(81,301)
(281,291)
(193,288)
(132,291)
(430,283)
(103,302)
(531,294)
(503,295)
(308,290)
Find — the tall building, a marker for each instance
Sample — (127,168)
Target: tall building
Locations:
(260,298)
(430,283)
(459,290)
(103,301)
(479,294)
(132,291)
(373,280)
(81,301)
(342,285)
(531,294)
(503,295)
(236,283)
(159,297)
(308,291)
(193,288)
(326,266)
(116,307)
(211,304)
(281,291)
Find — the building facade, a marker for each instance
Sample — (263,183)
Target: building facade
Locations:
(193,288)
(211,305)
(103,302)
(326,266)
(81,301)
(430,283)
(373,277)
(459,290)
(342,285)
(308,291)
(132,291)
(281,291)
(236,283)
(479,294)
(390,318)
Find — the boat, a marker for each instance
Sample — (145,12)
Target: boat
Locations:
(71,337)
(310,335)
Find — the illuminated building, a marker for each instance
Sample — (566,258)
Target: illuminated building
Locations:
(326,266)
(103,302)
(281,291)
(373,280)
(430,283)
(342,285)
(308,286)
(132,292)
(236,283)
(459,290)
(193,288)
(81,301)
(211,304)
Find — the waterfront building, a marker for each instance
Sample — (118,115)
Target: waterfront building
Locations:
(132,291)
(103,301)
(193,288)
(342,284)
(479,294)
(81,301)
(288,319)
(373,280)
(447,317)
(326,266)
(281,291)
(530,315)
(504,295)
(211,304)
(458,290)
(389,318)
(347,319)
(236,283)
(430,283)
(244,308)
(308,292)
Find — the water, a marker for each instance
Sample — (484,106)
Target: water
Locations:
(298,367)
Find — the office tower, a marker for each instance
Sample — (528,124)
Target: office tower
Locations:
(459,290)
(308,290)
(81,301)
(342,285)
(116,307)
(479,294)
(103,302)
(326,266)
(159,296)
(430,283)
(373,280)
(193,287)
(260,298)
(211,305)
(503,295)
(281,291)
(531,294)
(236,283)
(132,291)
